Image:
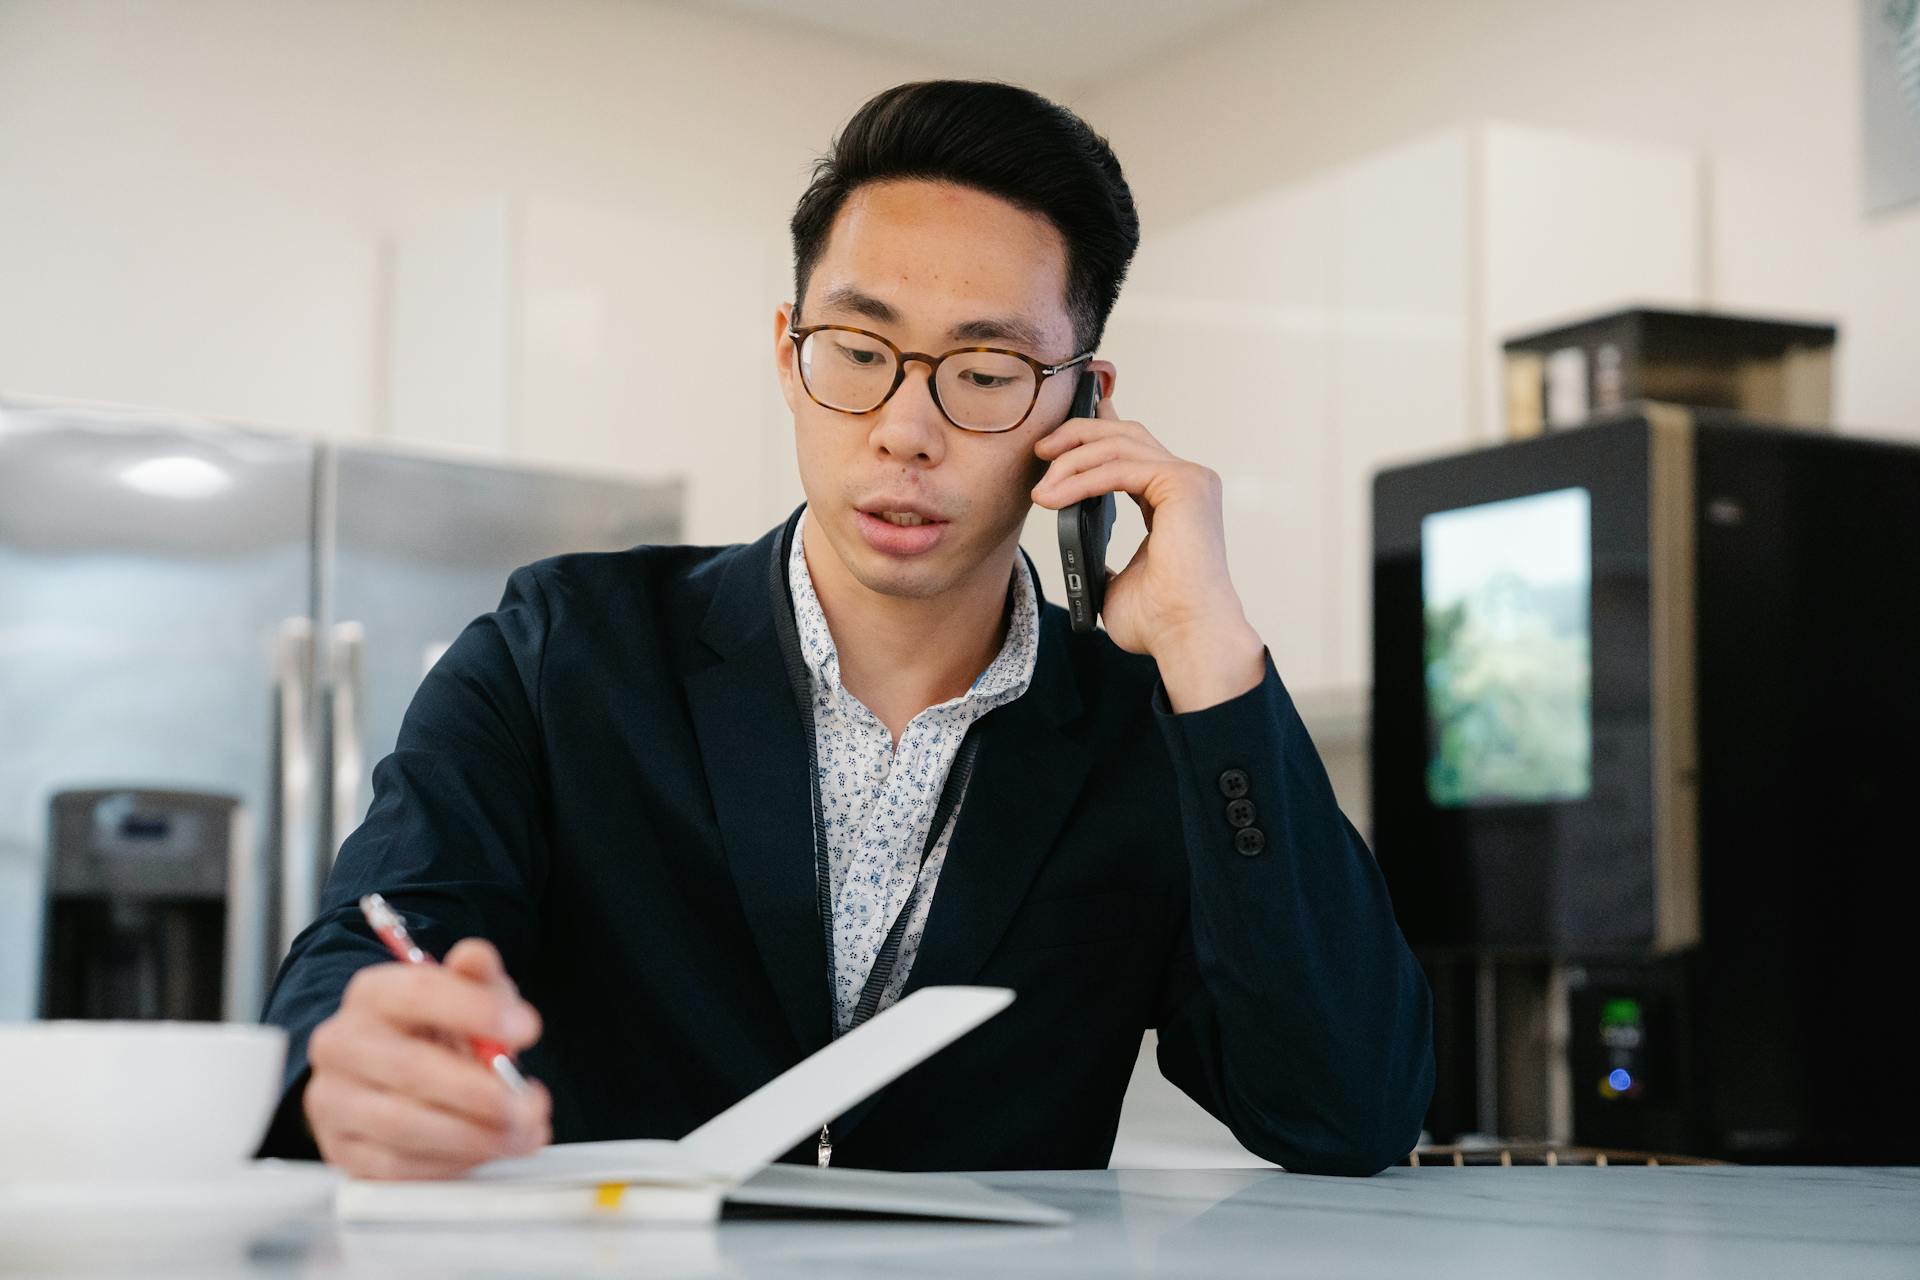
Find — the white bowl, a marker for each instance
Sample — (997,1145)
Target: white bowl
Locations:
(134,1100)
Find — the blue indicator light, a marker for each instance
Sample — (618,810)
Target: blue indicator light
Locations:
(1620,1080)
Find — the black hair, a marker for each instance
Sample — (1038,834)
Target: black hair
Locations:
(996,138)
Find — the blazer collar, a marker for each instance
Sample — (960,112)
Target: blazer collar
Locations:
(753,749)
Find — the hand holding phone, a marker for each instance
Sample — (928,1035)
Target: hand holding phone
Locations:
(1085,528)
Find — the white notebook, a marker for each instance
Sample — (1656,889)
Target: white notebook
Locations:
(690,1179)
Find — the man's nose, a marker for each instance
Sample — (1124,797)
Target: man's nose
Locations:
(910,425)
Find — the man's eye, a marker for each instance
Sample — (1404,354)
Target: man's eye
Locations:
(985,381)
(864,359)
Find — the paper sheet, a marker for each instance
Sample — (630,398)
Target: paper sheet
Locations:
(761,1127)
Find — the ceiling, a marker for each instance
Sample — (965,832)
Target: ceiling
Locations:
(1056,46)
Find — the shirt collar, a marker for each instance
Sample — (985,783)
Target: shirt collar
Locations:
(1004,679)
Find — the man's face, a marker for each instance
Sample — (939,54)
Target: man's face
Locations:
(930,267)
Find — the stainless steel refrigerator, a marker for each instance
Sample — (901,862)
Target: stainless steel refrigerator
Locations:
(208,637)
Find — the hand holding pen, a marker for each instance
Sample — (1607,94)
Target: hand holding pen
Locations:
(413,1076)
(392,930)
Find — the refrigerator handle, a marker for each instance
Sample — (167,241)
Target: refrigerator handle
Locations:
(293,818)
(245,975)
(348,656)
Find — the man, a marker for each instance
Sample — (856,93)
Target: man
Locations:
(608,778)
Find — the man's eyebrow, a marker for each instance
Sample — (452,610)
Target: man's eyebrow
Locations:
(999,329)
(844,297)
(1014,329)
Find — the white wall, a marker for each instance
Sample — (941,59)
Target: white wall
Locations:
(1767,89)
(200,203)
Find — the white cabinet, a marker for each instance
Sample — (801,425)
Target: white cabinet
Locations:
(560,332)
(1224,366)
(448,325)
(1301,339)
(1402,373)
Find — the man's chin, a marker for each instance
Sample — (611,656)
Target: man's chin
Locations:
(918,579)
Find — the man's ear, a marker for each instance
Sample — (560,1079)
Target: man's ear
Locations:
(783,367)
(1109,376)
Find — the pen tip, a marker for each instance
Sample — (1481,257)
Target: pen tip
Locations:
(504,1068)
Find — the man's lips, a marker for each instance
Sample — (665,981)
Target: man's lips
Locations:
(902,507)
(893,539)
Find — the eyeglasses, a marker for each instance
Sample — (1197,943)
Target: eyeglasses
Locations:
(986,389)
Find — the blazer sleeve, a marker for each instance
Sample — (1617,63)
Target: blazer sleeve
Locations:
(455,837)
(1296,1015)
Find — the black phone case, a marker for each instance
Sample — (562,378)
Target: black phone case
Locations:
(1085,528)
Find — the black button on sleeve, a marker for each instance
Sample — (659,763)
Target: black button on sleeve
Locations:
(1249,841)
(1233,783)
(1240,813)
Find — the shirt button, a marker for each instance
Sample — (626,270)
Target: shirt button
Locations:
(1233,783)
(1248,841)
(1240,813)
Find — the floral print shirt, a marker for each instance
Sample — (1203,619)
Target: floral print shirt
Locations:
(878,801)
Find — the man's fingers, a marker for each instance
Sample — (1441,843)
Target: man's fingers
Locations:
(1090,455)
(1075,432)
(416,1130)
(437,999)
(1122,475)
(363,1158)
(378,1055)
(476,958)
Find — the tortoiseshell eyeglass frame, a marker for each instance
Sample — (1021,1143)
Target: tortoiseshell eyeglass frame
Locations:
(1042,372)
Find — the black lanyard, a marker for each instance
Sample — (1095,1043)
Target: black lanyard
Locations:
(799,676)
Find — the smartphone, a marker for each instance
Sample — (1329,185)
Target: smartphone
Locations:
(1085,528)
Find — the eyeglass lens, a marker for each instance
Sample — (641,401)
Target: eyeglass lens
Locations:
(980,390)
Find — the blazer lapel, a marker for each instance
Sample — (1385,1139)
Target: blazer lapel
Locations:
(1029,773)
(754,753)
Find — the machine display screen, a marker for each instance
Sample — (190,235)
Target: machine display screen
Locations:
(1506,592)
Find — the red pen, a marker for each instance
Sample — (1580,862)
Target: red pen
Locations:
(386,922)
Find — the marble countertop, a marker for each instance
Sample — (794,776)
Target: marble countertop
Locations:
(1693,1222)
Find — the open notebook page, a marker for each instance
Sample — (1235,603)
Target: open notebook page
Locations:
(761,1127)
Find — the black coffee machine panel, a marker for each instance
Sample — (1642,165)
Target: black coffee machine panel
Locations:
(1628,1051)
(149,901)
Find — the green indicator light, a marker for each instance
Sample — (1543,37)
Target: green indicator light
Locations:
(1620,1009)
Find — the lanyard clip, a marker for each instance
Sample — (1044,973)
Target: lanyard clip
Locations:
(826,1147)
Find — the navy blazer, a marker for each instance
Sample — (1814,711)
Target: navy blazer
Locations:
(607,777)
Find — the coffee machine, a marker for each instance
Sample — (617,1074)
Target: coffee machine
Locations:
(152,906)
(1643,755)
